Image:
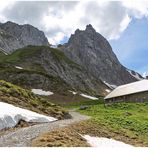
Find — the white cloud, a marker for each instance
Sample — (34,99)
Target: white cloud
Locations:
(136,8)
(59,19)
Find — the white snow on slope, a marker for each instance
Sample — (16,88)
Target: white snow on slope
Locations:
(73,92)
(105,142)
(3,49)
(107,90)
(42,92)
(18,67)
(11,115)
(89,97)
(110,85)
(135,75)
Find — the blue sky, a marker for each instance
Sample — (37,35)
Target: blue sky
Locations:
(132,46)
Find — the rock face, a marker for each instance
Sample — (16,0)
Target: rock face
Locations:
(14,36)
(49,69)
(93,52)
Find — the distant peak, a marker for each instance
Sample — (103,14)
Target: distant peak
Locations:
(9,22)
(77,31)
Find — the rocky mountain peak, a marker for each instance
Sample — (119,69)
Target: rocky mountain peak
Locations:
(18,36)
(89,28)
(92,51)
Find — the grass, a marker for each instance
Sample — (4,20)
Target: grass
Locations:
(23,98)
(30,59)
(24,78)
(127,122)
(32,51)
(131,119)
(65,137)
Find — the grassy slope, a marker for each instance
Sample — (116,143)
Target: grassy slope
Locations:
(31,51)
(127,122)
(28,57)
(130,119)
(20,97)
(24,57)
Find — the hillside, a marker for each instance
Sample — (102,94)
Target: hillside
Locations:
(23,98)
(48,68)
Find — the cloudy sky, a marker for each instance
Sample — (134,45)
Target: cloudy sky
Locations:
(123,23)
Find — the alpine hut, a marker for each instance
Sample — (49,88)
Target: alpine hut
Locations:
(132,92)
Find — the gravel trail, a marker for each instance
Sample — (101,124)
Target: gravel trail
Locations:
(23,136)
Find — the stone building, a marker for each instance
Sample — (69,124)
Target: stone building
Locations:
(132,92)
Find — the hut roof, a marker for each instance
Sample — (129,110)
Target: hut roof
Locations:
(131,88)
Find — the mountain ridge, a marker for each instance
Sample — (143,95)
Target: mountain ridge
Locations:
(85,64)
(14,36)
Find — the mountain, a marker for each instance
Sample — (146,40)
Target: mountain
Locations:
(93,52)
(14,36)
(47,68)
(86,64)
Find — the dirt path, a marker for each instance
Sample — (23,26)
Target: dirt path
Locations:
(23,137)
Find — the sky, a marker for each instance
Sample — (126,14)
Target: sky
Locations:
(123,23)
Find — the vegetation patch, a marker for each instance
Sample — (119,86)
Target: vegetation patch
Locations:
(32,51)
(126,122)
(66,137)
(71,136)
(23,98)
(127,119)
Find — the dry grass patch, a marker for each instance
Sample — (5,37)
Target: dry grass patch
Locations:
(66,137)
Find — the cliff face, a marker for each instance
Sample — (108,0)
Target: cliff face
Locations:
(92,51)
(14,36)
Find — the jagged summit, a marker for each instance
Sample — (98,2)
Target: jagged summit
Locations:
(92,51)
(90,28)
(14,36)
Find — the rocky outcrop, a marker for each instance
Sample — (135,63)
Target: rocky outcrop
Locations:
(14,36)
(93,52)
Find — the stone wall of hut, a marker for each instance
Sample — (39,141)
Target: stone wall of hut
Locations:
(137,97)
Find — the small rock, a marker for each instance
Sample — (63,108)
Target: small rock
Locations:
(84,107)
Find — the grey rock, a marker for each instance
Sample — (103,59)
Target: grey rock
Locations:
(84,107)
(93,52)
(14,36)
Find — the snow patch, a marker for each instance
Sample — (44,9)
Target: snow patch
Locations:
(3,51)
(73,92)
(89,97)
(136,75)
(105,142)
(18,67)
(107,90)
(111,86)
(42,92)
(11,115)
